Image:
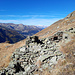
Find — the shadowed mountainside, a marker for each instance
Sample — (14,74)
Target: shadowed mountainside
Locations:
(9,35)
(24,30)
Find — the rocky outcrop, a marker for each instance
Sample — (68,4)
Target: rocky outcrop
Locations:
(70,15)
(37,54)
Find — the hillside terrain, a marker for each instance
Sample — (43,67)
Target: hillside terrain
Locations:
(61,25)
(9,35)
(49,52)
(24,30)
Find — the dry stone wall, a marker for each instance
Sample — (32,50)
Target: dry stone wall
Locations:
(36,55)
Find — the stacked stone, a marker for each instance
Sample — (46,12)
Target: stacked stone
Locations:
(36,55)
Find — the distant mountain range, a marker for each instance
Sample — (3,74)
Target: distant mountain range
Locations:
(9,35)
(16,32)
(54,51)
(42,26)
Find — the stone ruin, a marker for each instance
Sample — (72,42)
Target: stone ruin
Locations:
(36,55)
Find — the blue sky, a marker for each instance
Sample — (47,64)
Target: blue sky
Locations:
(35,12)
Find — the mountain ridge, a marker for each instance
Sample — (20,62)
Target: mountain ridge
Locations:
(18,29)
(9,35)
(25,30)
(58,39)
(60,25)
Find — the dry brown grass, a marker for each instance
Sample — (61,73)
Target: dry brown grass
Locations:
(45,72)
(68,49)
(66,66)
(5,53)
(38,63)
(62,24)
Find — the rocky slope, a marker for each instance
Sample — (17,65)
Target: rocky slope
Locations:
(9,35)
(38,54)
(50,52)
(24,30)
(61,25)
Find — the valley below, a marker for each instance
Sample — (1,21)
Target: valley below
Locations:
(48,52)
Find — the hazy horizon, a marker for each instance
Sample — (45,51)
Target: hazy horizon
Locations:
(34,12)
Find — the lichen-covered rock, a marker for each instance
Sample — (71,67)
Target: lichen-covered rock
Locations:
(35,55)
(53,60)
(22,49)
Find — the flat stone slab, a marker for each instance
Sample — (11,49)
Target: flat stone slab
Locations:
(22,49)
(44,57)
